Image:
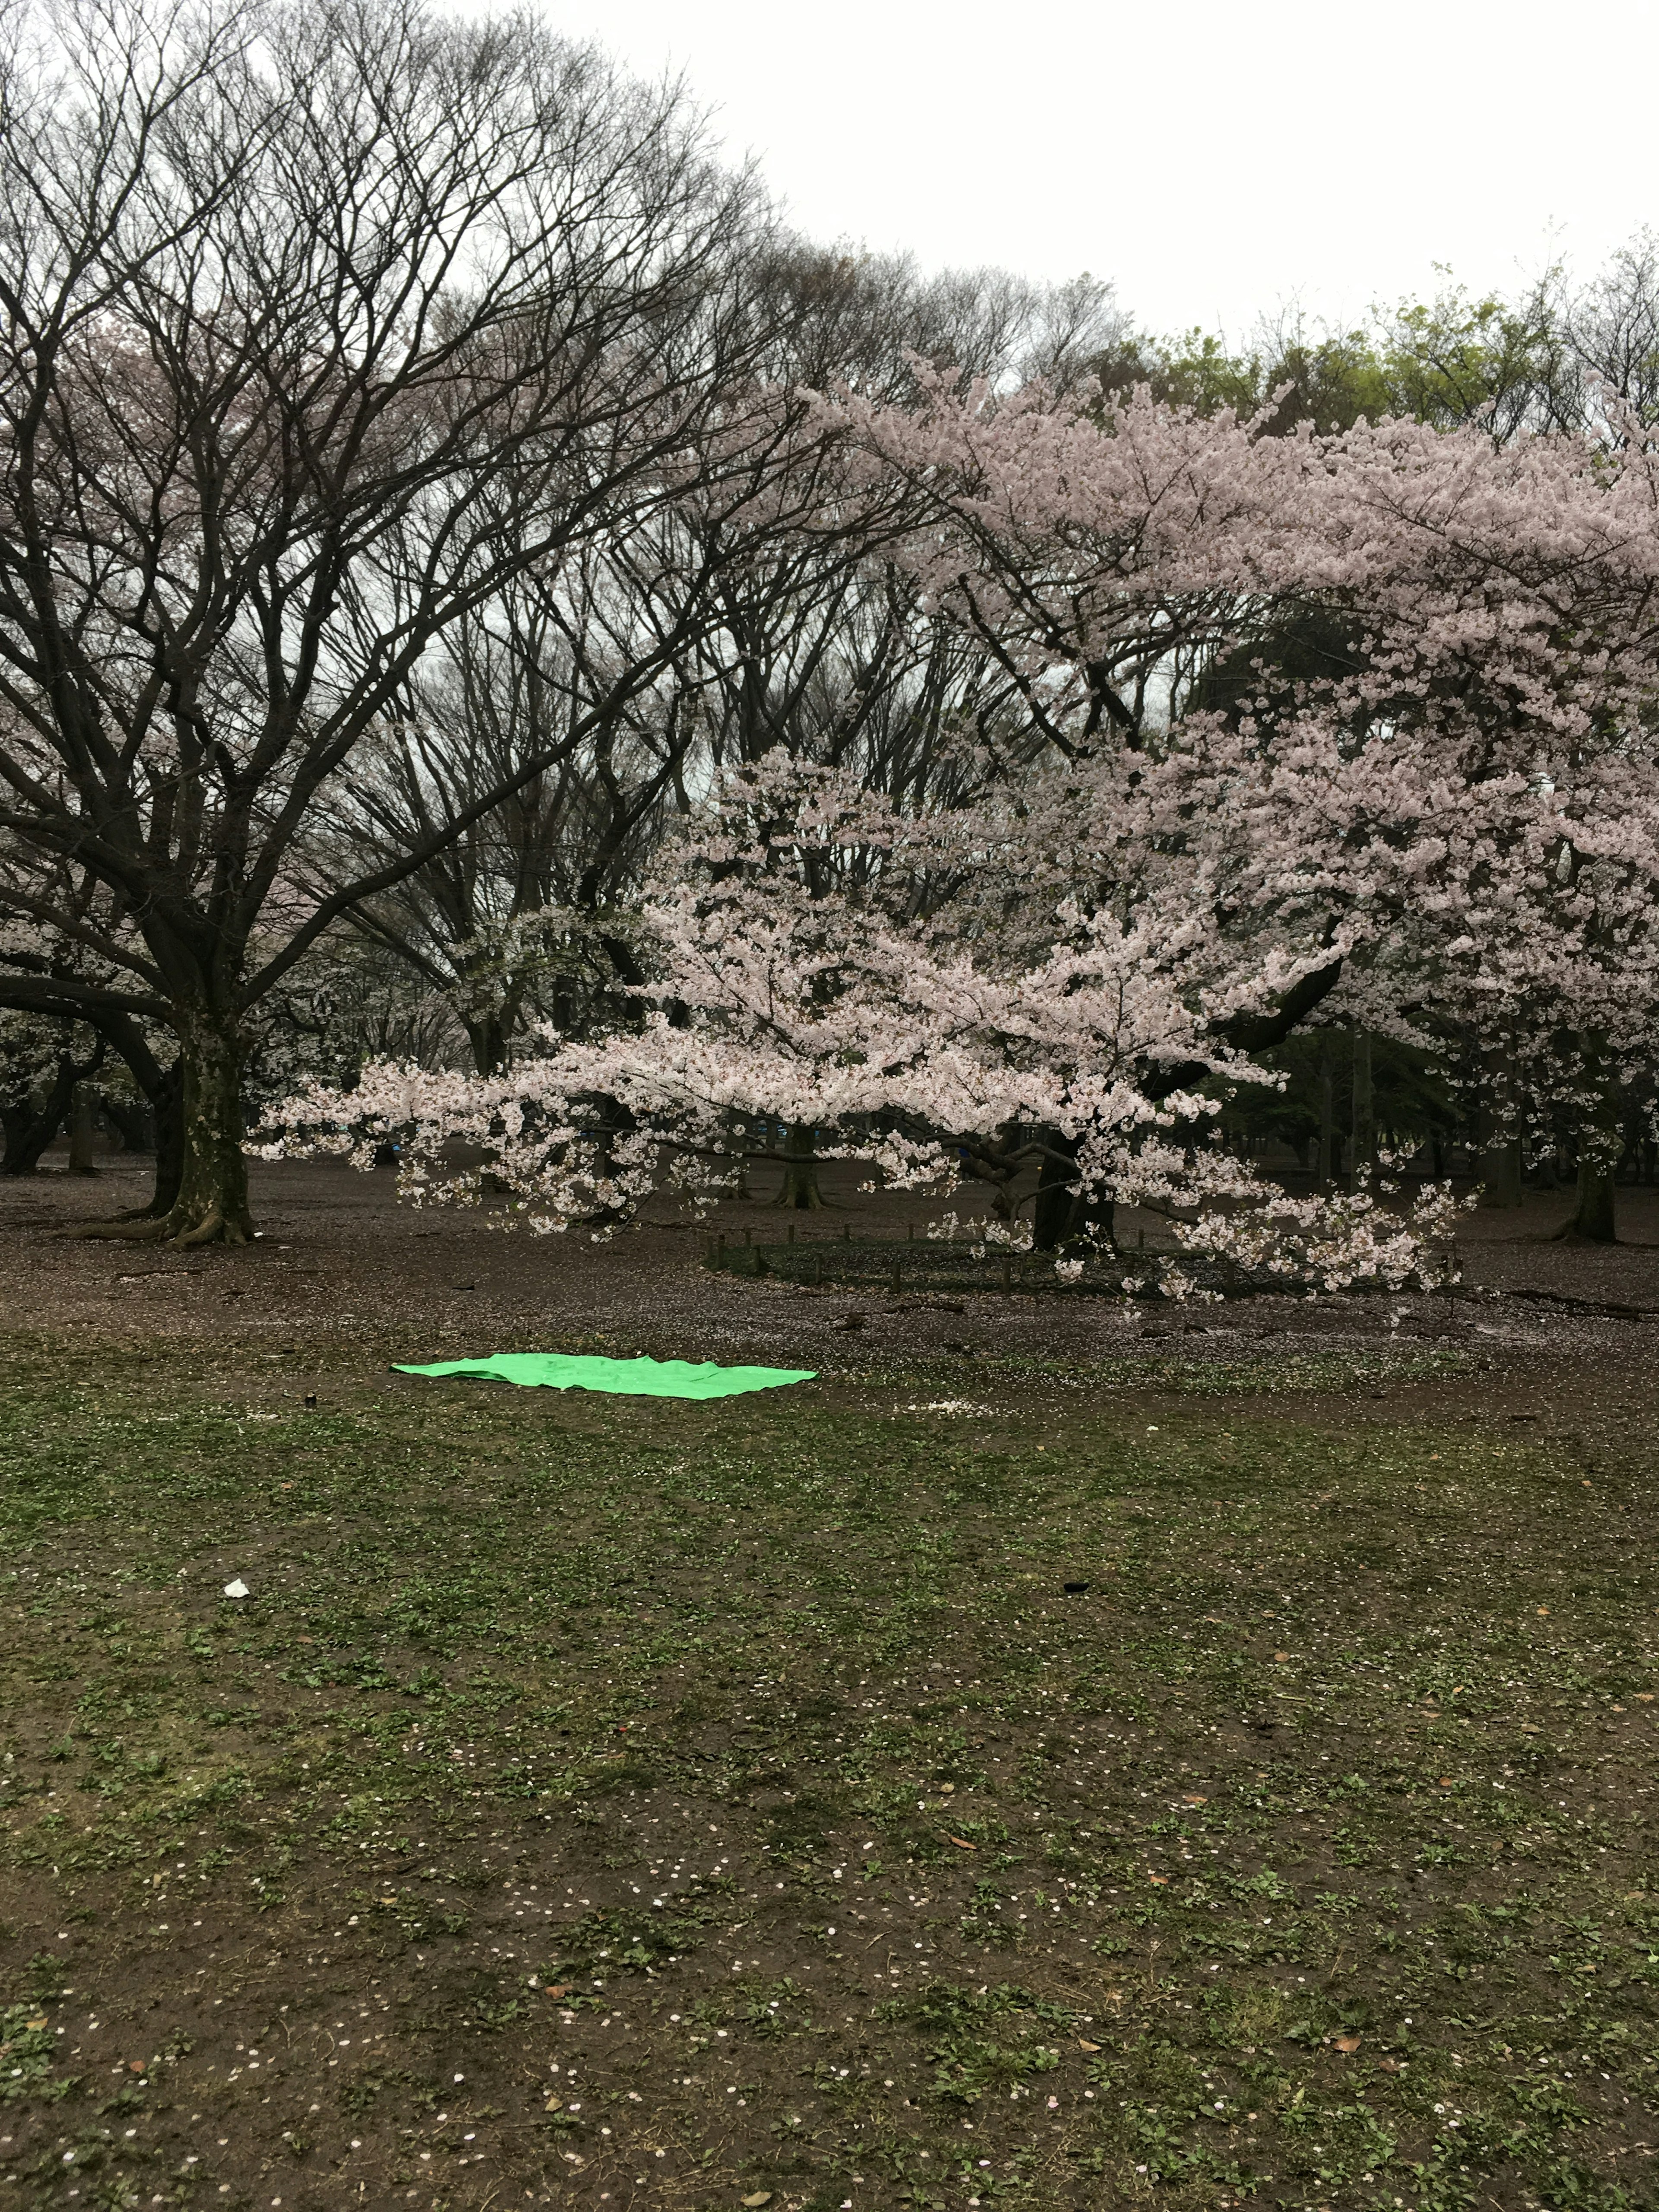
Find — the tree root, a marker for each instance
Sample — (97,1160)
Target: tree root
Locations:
(211,1228)
(1612,1309)
(164,1229)
(140,1229)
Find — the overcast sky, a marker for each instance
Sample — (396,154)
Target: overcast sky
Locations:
(1213,160)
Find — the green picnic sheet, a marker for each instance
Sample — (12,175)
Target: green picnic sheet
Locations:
(631,1378)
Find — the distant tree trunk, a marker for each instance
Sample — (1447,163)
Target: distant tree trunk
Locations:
(1600,1144)
(1054,1216)
(169,1107)
(158,1125)
(79,1119)
(1500,1149)
(1362,1149)
(30,1129)
(800,1193)
(1593,1218)
(133,1125)
(1325,1176)
(28,1132)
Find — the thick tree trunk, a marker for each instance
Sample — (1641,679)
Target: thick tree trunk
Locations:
(201,1173)
(1054,1216)
(1592,1218)
(1500,1175)
(489,1042)
(28,1131)
(1362,1153)
(800,1193)
(211,1207)
(1098,1221)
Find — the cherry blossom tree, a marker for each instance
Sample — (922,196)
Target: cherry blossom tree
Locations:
(913,987)
(1453,813)
(1462,780)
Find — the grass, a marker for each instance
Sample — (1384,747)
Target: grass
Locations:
(606,1801)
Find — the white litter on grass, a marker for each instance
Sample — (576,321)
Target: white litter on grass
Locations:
(237,1588)
(951,1406)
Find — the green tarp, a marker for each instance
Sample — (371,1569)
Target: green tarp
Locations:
(632,1378)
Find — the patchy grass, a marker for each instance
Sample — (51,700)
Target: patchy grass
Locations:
(1274,1374)
(616,1800)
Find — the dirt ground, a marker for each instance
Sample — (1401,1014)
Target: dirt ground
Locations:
(340,1259)
(1316,1697)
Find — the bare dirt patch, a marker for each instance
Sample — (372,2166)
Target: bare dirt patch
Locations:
(340,1261)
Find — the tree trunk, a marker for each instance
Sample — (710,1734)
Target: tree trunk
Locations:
(132,1127)
(1098,1221)
(211,1206)
(1363,1157)
(27,1134)
(1601,1146)
(80,1117)
(1500,1150)
(29,1130)
(489,1042)
(156,1126)
(1592,1218)
(800,1193)
(1054,1217)
(168,1107)
(1500,1175)
(1325,1173)
(201,1173)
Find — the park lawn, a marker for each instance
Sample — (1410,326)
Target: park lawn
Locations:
(658,1804)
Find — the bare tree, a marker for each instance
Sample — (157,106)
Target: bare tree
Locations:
(318,327)
(1613,329)
(519,914)
(762,615)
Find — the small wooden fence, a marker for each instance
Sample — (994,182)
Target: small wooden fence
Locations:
(916,1264)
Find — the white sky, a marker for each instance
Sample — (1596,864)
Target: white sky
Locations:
(1213,159)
